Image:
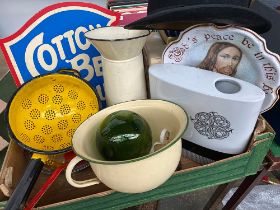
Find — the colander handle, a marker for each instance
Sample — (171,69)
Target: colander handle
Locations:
(69,72)
(44,188)
(24,187)
(75,183)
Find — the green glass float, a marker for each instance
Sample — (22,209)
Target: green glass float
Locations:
(124,135)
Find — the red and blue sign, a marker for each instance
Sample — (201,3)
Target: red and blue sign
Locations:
(54,39)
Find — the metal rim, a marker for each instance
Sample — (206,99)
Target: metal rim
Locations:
(175,140)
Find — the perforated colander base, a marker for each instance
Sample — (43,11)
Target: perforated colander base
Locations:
(45,112)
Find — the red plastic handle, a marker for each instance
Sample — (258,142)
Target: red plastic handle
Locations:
(45,187)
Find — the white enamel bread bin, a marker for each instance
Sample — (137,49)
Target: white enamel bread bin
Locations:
(223,110)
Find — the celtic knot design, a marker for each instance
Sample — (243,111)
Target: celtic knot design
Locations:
(212,125)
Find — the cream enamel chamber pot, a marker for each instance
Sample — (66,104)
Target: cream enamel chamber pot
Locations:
(135,175)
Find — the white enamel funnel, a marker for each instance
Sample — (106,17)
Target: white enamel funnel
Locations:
(122,60)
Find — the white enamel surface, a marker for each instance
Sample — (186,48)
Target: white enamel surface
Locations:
(194,90)
(124,80)
(203,82)
(117,43)
(122,60)
(144,173)
(258,65)
(115,33)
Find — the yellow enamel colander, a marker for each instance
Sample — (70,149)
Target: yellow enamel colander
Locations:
(42,118)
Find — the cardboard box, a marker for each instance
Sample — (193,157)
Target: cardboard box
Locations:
(188,178)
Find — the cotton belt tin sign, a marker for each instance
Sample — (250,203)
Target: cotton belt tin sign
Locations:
(54,38)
